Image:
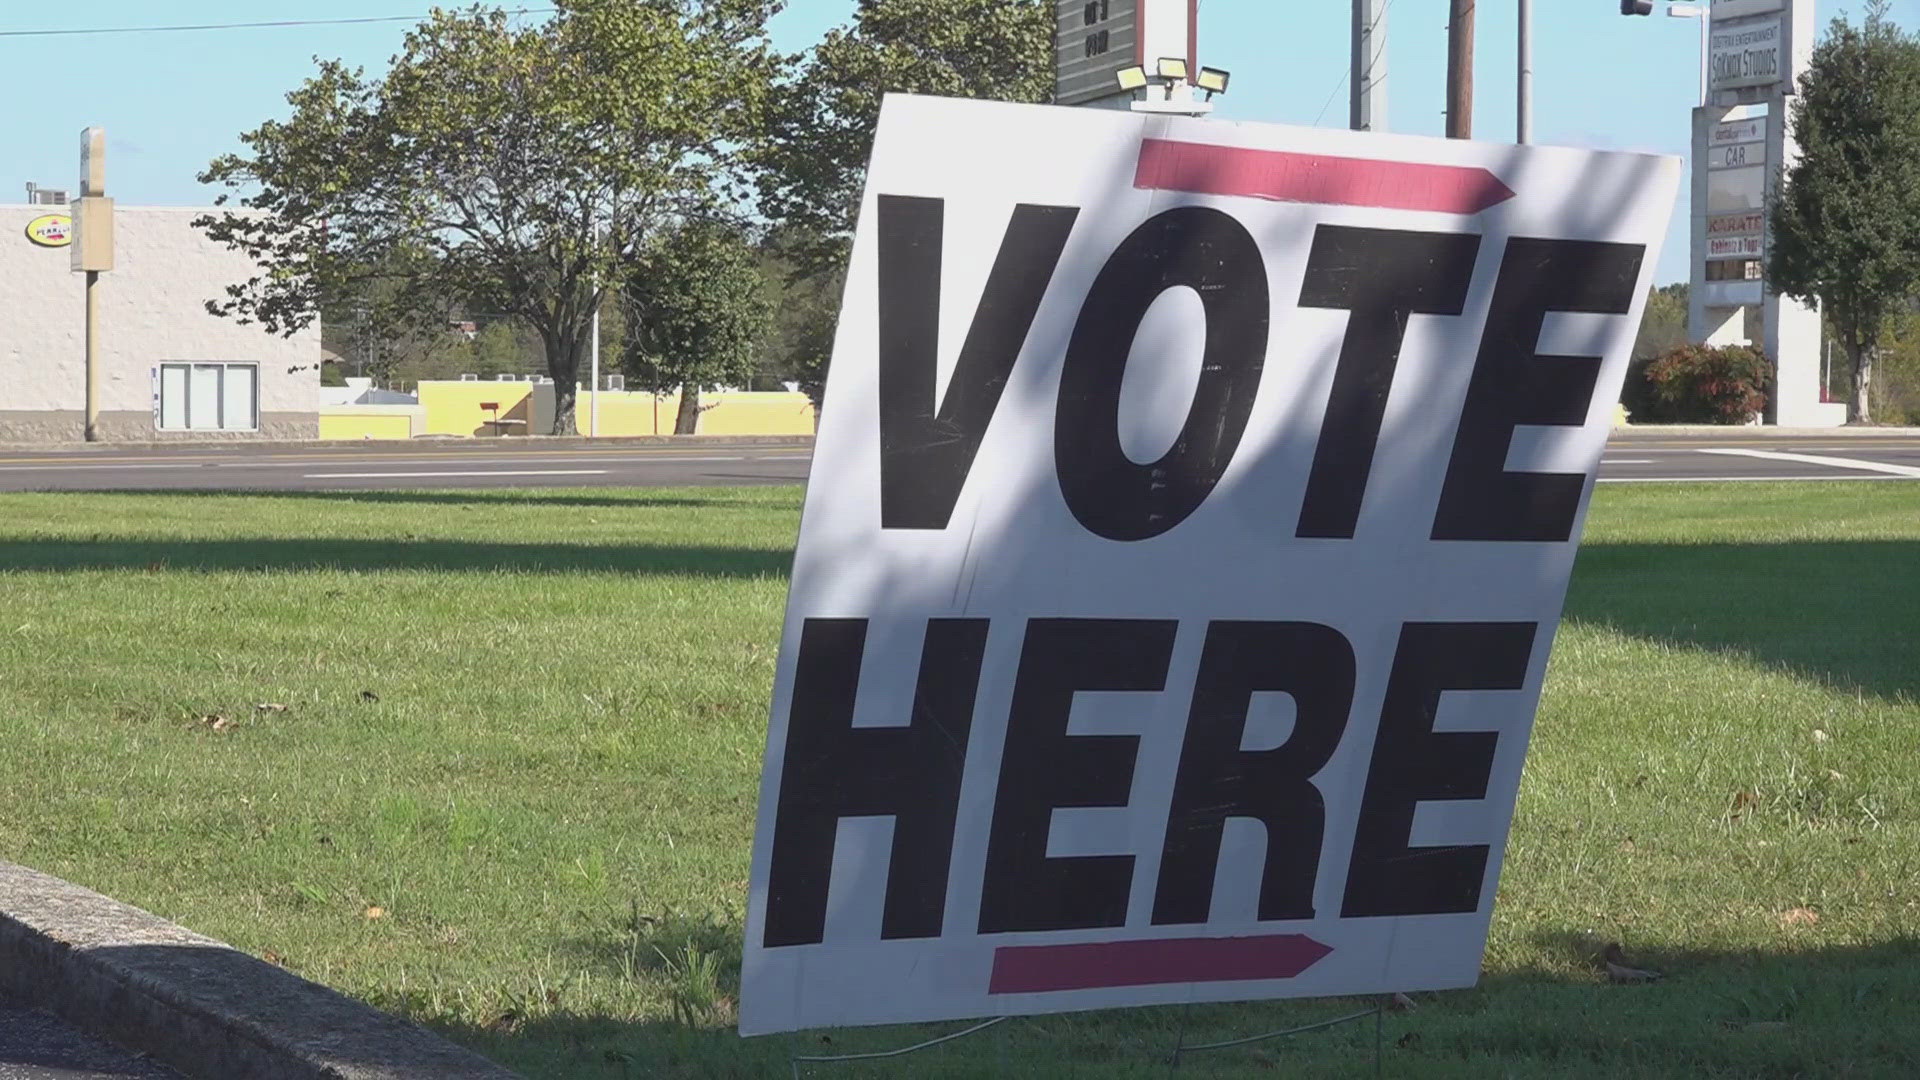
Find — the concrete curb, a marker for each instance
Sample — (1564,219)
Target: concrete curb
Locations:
(201,1006)
(427,442)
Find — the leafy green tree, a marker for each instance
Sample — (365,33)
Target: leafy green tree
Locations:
(1896,378)
(800,338)
(822,124)
(1846,226)
(695,312)
(494,346)
(1001,50)
(1663,328)
(518,167)
(394,330)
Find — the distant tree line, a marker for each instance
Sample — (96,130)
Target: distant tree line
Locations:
(471,208)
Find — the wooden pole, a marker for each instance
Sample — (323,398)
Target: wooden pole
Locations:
(1460,71)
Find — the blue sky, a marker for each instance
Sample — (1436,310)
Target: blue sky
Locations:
(172,101)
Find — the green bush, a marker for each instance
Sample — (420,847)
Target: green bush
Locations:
(1706,384)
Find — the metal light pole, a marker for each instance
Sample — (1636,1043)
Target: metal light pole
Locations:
(1523,111)
(593,395)
(593,389)
(1369,90)
(1700,12)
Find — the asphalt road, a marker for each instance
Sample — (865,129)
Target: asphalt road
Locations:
(1631,457)
(374,466)
(1753,454)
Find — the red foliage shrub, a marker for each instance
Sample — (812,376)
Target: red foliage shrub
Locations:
(1706,384)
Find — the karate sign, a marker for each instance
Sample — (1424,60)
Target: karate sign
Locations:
(1189,523)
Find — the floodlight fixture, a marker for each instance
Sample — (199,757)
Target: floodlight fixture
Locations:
(1171,68)
(1213,80)
(1132,78)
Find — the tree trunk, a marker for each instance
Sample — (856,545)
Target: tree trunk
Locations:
(563,366)
(565,393)
(1860,408)
(687,419)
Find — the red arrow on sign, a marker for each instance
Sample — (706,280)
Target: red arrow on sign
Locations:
(1029,969)
(1202,169)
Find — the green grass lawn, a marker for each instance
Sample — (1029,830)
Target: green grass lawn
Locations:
(511,790)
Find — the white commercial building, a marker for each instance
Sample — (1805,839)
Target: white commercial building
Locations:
(168,368)
(1752,54)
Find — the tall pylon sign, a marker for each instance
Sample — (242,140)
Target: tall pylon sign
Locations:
(1094,40)
(1132,54)
(1743,145)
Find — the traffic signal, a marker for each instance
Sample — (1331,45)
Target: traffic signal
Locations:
(1636,7)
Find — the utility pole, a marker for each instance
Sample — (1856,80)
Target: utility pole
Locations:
(1524,92)
(1460,71)
(1369,91)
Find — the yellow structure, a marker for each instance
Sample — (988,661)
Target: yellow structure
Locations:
(526,408)
(372,421)
(744,413)
(496,409)
(458,408)
(727,412)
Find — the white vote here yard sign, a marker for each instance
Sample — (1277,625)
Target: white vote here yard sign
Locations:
(1189,522)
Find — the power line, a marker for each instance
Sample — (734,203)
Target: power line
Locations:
(276,25)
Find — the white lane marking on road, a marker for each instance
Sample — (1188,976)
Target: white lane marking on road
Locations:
(1818,459)
(422,475)
(1739,479)
(1626,461)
